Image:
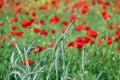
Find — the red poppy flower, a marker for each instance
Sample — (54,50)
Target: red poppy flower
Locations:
(117,35)
(99,42)
(44,32)
(63,30)
(19,33)
(105,4)
(93,2)
(17,3)
(72,10)
(26,13)
(111,26)
(78,28)
(79,45)
(15,19)
(11,33)
(51,44)
(117,32)
(103,37)
(78,39)
(65,23)
(42,21)
(53,20)
(73,6)
(87,40)
(74,17)
(53,31)
(117,39)
(19,9)
(54,3)
(26,23)
(84,10)
(66,2)
(38,49)
(43,7)
(86,28)
(71,44)
(33,19)
(105,15)
(1,3)
(92,33)
(13,28)
(37,30)
(99,1)
(34,14)
(30,61)
(109,40)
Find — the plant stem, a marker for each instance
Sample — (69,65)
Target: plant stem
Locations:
(82,64)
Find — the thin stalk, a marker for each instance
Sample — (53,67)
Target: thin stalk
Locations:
(83,64)
(99,75)
(27,64)
(66,72)
(62,54)
(61,37)
(19,51)
(31,74)
(56,63)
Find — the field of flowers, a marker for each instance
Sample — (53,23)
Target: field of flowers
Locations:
(59,39)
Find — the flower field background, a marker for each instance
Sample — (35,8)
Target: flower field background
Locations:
(59,40)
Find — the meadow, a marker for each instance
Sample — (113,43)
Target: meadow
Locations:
(60,40)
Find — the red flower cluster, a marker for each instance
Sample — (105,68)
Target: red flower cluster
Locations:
(18,10)
(84,7)
(1,3)
(79,42)
(70,44)
(30,61)
(117,35)
(17,33)
(53,20)
(55,3)
(105,15)
(44,32)
(43,7)
(92,33)
(26,23)
(38,49)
